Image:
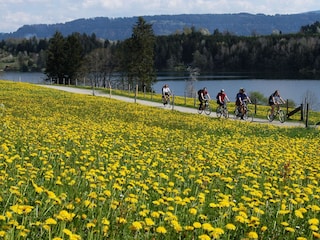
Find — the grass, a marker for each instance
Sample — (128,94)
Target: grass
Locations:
(82,167)
(260,111)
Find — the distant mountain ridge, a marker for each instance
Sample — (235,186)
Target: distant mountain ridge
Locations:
(241,24)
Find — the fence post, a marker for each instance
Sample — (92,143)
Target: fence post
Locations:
(172,104)
(136,93)
(255,106)
(301,113)
(307,113)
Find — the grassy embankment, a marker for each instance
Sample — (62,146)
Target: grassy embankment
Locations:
(82,167)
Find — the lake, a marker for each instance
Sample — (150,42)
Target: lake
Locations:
(293,89)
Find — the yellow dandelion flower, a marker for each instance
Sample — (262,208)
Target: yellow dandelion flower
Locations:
(155,214)
(67,232)
(149,221)
(2,218)
(161,230)
(121,220)
(314,228)
(285,224)
(197,225)
(21,209)
(90,225)
(217,232)
(204,237)
(136,226)
(2,233)
(207,226)
(193,211)
(176,226)
(105,221)
(289,229)
(189,228)
(316,235)
(230,226)
(301,238)
(298,213)
(264,228)
(313,221)
(107,193)
(50,221)
(253,235)
(65,216)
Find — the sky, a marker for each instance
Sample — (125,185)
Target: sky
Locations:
(16,13)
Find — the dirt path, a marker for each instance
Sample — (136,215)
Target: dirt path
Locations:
(160,105)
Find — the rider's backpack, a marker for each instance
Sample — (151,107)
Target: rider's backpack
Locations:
(199,92)
(217,97)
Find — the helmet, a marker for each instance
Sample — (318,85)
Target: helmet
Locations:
(222,90)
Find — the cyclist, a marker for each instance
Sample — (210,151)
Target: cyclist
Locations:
(203,96)
(166,92)
(275,100)
(241,99)
(222,98)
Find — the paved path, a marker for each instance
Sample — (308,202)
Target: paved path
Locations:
(160,105)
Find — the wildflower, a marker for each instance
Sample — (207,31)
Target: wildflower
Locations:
(264,228)
(301,238)
(50,221)
(189,228)
(149,221)
(121,220)
(197,225)
(161,230)
(176,226)
(289,229)
(21,209)
(65,216)
(230,226)
(207,226)
(193,211)
(2,233)
(204,237)
(105,221)
(316,235)
(216,232)
(252,235)
(313,228)
(298,213)
(136,226)
(313,221)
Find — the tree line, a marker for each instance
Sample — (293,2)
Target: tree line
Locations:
(137,59)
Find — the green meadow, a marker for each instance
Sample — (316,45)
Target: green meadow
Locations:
(84,167)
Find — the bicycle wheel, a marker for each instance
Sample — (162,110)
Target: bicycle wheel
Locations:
(219,112)
(225,113)
(236,113)
(269,116)
(282,116)
(248,115)
(207,110)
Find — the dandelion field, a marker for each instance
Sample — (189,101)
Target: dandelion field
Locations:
(83,167)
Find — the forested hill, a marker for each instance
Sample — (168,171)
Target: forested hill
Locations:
(241,24)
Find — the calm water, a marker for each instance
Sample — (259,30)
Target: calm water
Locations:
(293,89)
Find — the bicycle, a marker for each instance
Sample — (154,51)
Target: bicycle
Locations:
(205,107)
(166,100)
(279,113)
(222,110)
(244,113)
